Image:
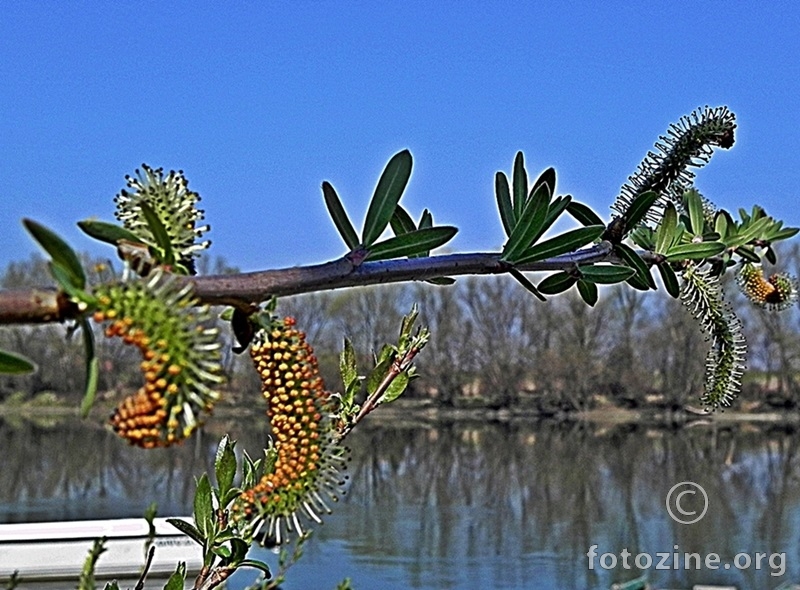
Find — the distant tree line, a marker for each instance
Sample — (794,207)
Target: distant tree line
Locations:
(493,344)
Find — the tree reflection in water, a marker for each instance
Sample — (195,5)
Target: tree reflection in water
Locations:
(461,504)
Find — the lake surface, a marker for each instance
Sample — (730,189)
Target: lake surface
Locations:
(465,505)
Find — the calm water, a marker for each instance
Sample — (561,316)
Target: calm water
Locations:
(462,505)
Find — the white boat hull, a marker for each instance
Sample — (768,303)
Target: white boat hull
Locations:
(51,551)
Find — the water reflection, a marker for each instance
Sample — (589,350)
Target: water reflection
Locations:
(463,505)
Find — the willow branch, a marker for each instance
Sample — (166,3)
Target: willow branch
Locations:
(246,289)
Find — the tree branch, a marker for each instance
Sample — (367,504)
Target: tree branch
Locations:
(243,290)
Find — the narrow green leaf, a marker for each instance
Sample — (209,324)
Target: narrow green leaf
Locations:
(396,388)
(529,224)
(387,194)
(504,205)
(426,220)
(339,215)
(748,254)
(441,281)
(256,564)
(13,364)
(750,231)
(784,234)
(566,242)
(632,259)
(110,233)
(588,292)
(694,205)
(694,251)
(605,274)
(60,252)
(523,280)
(770,256)
(401,221)
(553,213)
(160,235)
(65,281)
(203,507)
(187,529)
(547,177)
(665,234)
(421,240)
(225,465)
(520,185)
(556,283)
(583,214)
(637,283)
(639,208)
(670,279)
(92,369)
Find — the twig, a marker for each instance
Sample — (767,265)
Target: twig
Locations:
(42,305)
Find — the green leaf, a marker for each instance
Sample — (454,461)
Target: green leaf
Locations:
(203,507)
(784,234)
(378,374)
(632,259)
(547,177)
(177,579)
(723,223)
(694,205)
(639,208)
(670,279)
(748,254)
(588,292)
(504,205)
(187,529)
(59,251)
(420,240)
(665,234)
(556,283)
(770,256)
(520,182)
(387,194)
(396,388)
(529,225)
(750,231)
(401,221)
(13,364)
(426,220)
(566,242)
(110,233)
(605,274)
(225,465)
(442,281)
(523,280)
(238,549)
(163,242)
(65,281)
(583,214)
(339,216)
(349,372)
(554,212)
(256,564)
(92,369)
(694,251)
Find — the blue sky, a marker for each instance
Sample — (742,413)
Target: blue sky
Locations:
(260,102)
